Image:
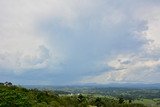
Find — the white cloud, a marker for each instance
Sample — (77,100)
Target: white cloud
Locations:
(20,37)
(21,42)
(128,68)
(19,60)
(141,66)
(23,46)
(151,15)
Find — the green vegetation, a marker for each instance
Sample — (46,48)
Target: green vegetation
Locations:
(148,102)
(16,96)
(150,97)
(126,93)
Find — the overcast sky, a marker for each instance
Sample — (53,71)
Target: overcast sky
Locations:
(64,42)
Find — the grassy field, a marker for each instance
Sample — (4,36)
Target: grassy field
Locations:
(149,102)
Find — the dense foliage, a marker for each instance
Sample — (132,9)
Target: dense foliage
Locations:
(14,96)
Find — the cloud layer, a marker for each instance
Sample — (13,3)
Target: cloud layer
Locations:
(47,42)
(137,66)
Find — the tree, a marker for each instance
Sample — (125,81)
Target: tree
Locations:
(8,83)
(81,98)
(98,102)
(130,101)
(121,100)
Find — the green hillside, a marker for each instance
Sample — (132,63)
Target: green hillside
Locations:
(16,96)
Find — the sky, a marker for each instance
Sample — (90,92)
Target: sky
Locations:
(67,42)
